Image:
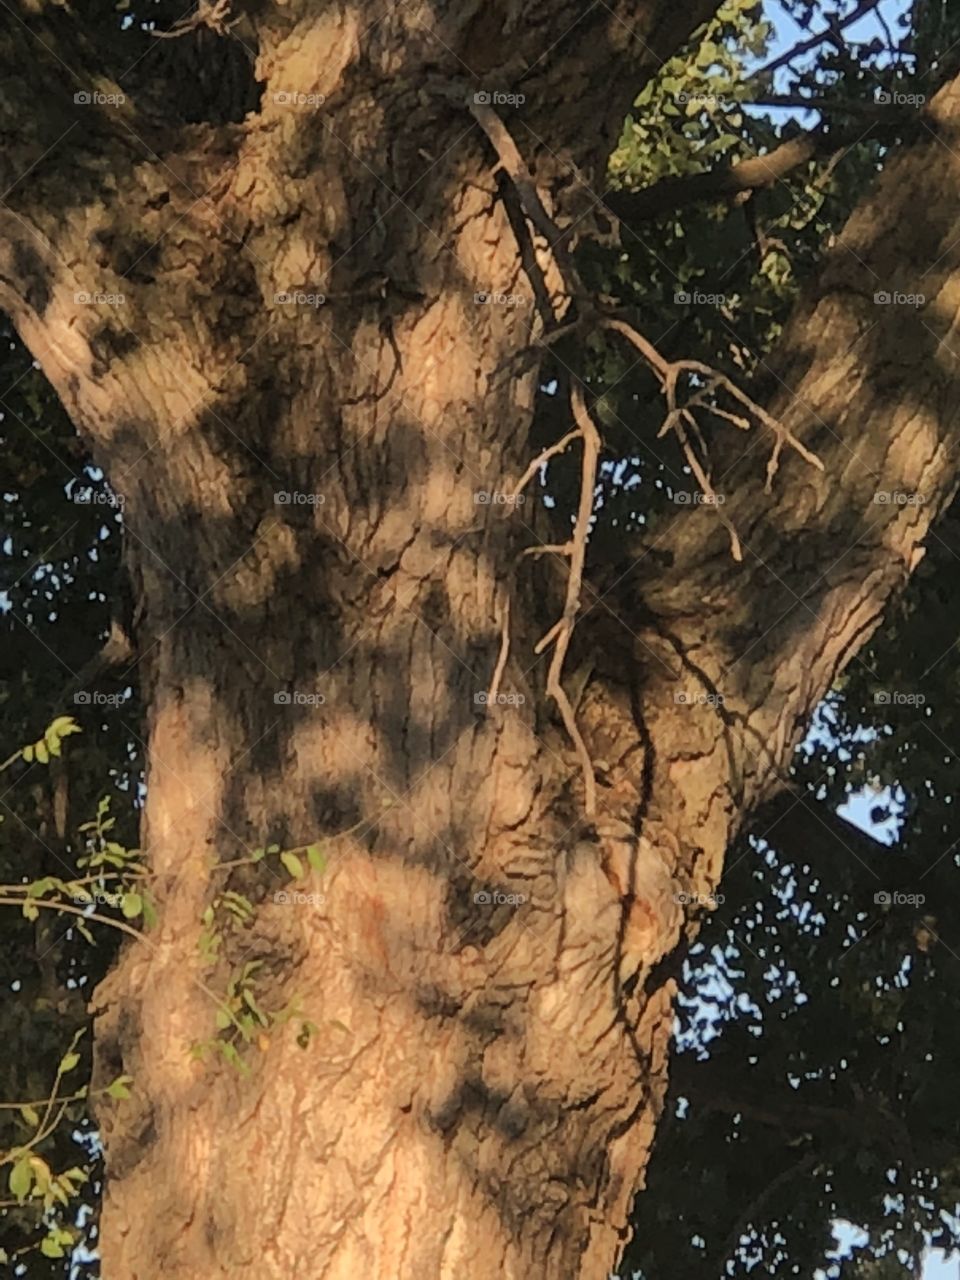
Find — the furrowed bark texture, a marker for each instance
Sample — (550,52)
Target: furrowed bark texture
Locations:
(487,973)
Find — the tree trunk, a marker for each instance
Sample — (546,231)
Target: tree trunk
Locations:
(488,973)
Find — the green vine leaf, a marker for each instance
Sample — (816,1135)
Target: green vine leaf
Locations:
(131,905)
(292,864)
(21,1178)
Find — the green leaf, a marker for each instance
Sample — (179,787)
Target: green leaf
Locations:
(30,1115)
(250,1001)
(315,857)
(39,887)
(21,1178)
(232,1056)
(68,1062)
(149,911)
(50,1248)
(30,910)
(62,727)
(292,864)
(132,905)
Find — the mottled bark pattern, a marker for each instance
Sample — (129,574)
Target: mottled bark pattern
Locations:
(482,1094)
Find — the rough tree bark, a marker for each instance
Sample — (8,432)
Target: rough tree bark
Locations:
(482,1093)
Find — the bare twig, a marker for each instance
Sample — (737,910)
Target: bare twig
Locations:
(516,170)
(669,373)
(578,555)
(540,460)
(831,32)
(214,14)
(575,551)
(504,648)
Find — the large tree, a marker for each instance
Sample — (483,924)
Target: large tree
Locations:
(300,304)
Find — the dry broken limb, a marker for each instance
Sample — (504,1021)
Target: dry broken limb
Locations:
(679,419)
(216,15)
(669,373)
(575,549)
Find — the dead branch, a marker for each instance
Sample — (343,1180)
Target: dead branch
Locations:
(831,32)
(504,653)
(575,551)
(214,14)
(578,555)
(669,373)
(540,460)
(516,170)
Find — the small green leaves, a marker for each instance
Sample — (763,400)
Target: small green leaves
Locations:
(59,1240)
(68,1062)
(149,911)
(315,857)
(238,905)
(131,905)
(292,864)
(50,744)
(20,1180)
(119,1088)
